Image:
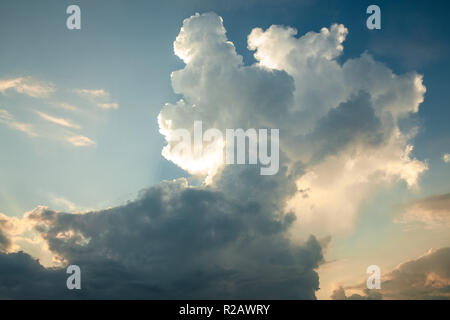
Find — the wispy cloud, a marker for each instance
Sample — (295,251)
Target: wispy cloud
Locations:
(10,121)
(67,106)
(59,121)
(96,93)
(66,205)
(108,105)
(74,139)
(100,97)
(27,86)
(80,141)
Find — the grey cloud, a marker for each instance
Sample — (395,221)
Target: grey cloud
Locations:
(427,277)
(22,277)
(433,211)
(4,241)
(339,294)
(184,242)
(353,121)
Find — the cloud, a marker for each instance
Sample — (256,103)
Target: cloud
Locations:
(108,105)
(338,120)
(433,211)
(339,294)
(9,120)
(96,93)
(22,277)
(59,121)
(5,242)
(27,86)
(80,141)
(62,204)
(229,248)
(67,106)
(65,204)
(427,277)
(446,158)
(100,97)
(9,227)
(74,139)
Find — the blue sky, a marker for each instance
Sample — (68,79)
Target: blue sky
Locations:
(126,49)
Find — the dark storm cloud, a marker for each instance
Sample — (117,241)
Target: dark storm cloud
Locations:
(22,277)
(176,241)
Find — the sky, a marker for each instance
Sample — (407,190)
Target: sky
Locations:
(85,117)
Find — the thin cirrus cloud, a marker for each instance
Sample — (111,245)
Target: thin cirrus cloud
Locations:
(80,141)
(108,105)
(67,106)
(27,86)
(75,140)
(59,121)
(9,120)
(97,93)
(40,89)
(100,97)
(93,96)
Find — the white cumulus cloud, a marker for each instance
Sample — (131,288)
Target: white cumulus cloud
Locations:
(338,120)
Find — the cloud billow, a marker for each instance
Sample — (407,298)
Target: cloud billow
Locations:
(180,242)
(330,114)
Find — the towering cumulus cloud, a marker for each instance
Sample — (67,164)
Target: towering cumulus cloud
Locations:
(230,237)
(339,121)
